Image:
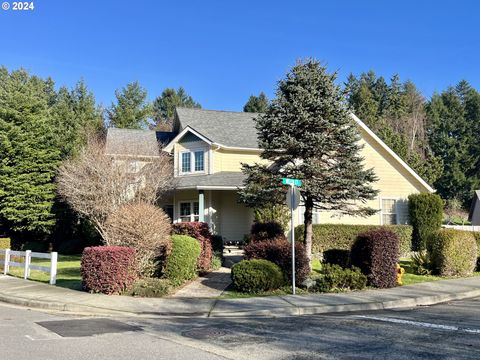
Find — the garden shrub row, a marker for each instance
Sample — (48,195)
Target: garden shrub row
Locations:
(108,269)
(201,232)
(452,252)
(257,275)
(340,236)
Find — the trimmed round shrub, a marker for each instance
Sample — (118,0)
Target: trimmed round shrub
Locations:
(342,236)
(253,276)
(279,251)
(266,231)
(337,257)
(201,232)
(452,252)
(375,252)
(108,269)
(334,278)
(144,227)
(426,216)
(182,261)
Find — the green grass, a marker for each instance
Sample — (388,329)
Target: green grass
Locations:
(68,272)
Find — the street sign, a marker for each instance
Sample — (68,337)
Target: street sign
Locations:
(288,181)
(293,197)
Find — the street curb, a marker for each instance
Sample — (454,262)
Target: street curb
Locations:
(79,309)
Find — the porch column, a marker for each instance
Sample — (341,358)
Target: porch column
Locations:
(201,206)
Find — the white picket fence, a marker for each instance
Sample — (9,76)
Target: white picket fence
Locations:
(463,227)
(27,264)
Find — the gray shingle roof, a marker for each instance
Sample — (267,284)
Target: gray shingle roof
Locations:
(135,142)
(236,129)
(224,178)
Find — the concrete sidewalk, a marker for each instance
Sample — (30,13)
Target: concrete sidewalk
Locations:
(43,296)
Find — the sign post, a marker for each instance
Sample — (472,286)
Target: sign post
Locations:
(293,200)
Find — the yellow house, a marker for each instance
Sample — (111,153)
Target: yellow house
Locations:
(208,148)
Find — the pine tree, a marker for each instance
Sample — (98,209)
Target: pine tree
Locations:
(307,133)
(28,153)
(165,104)
(132,110)
(256,104)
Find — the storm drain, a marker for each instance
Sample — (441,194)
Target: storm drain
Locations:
(204,333)
(87,327)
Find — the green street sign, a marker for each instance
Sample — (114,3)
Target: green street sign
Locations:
(288,181)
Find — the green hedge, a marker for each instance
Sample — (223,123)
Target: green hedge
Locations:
(5,243)
(182,262)
(452,252)
(340,236)
(426,216)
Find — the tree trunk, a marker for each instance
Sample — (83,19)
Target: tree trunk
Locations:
(308,232)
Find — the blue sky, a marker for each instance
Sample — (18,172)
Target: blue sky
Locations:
(223,51)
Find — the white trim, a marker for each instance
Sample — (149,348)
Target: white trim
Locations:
(192,215)
(392,153)
(210,209)
(397,199)
(169,146)
(210,161)
(192,161)
(237,148)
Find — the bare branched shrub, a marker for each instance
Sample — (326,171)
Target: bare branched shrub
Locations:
(144,227)
(96,184)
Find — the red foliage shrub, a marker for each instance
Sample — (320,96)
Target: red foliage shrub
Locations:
(375,252)
(279,251)
(265,231)
(201,232)
(108,269)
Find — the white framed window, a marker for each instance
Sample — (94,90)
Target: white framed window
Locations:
(189,211)
(389,211)
(192,161)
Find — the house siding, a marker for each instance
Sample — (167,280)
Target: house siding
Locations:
(232,161)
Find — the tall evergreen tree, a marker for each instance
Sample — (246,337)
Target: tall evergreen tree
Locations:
(256,104)
(165,104)
(452,138)
(307,133)
(29,154)
(132,110)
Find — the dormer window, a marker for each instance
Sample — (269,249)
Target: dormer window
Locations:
(194,159)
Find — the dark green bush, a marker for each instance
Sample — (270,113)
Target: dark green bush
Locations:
(35,246)
(340,236)
(476,234)
(452,252)
(337,257)
(253,276)
(217,243)
(182,261)
(5,243)
(426,216)
(375,252)
(421,263)
(150,287)
(262,231)
(334,278)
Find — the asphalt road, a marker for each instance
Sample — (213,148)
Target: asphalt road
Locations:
(445,331)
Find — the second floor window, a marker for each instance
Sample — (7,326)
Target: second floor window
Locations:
(192,160)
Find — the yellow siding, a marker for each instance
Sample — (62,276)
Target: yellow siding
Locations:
(231,160)
(394,182)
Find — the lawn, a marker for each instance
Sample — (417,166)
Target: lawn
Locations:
(68,272)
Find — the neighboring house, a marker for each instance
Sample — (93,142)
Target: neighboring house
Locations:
(208,148)
(474,215)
